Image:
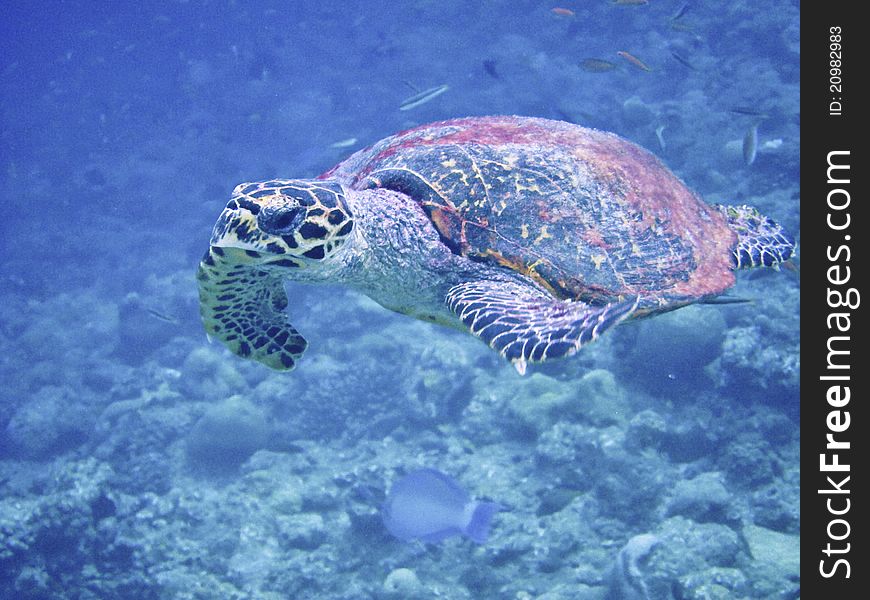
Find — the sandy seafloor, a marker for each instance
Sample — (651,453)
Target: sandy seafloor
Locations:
(139,461)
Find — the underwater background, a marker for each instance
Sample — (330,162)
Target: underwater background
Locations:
(139,461)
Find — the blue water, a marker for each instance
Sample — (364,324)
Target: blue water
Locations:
(139,461)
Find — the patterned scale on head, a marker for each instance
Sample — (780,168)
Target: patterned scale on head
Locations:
(265,229)
(307,219)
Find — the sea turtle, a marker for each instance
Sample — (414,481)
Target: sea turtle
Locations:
(535,235)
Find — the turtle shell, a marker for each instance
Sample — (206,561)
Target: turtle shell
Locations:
(584,213)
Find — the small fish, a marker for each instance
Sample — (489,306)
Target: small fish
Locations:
(564,116)
(726,299)
(659,130)
(750,112)
(630,2)
(489,67)
(627,578)
(681,26)
(562,12)
(750,145)
(161,316)
(679,14)
(683,61)
(423,97)
(430,506)
(790,265)
(634,60)
(344,143)
(596,65)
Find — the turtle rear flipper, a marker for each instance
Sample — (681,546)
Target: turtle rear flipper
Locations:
(244,308)
(760,241)
(525,324)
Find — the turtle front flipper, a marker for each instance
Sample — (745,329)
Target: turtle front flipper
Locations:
(761,242)
(525,324)
(244,308)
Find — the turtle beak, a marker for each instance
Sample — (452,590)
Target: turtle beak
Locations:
(221,227)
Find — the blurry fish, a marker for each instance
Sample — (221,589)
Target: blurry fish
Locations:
(430,506)
(596,65)
(161,316)
(423,97)
(659,130)
(564,115)
(634,60)
(683,61)
(726,299)
(750,112)
(489,67)
(790,265)
(627,579)
(344,143)
(631,2)
(681,26)
(750,145)
(679,14)
(562,12)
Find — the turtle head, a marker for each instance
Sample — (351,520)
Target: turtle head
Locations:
(285,223)
(266,229)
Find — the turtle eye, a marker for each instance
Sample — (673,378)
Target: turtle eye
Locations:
(280,221)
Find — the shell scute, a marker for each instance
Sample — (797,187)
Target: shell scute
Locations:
(584,213)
